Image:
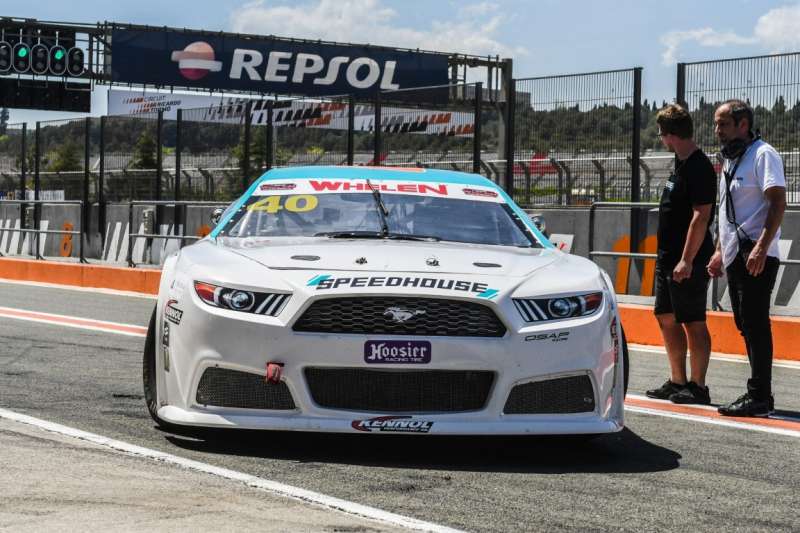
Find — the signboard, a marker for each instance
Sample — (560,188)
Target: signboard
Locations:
(270,65)
(291,113)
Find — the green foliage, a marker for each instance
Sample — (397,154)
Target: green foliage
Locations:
(67,157)
(144,152)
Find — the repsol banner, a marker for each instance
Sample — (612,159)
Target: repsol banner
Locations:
(174,58)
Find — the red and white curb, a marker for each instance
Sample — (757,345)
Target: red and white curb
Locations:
(707,414)
(74,322)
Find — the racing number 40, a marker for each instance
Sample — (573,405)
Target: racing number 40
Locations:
(298,203)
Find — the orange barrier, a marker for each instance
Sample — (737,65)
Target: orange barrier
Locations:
(641,327)
(143,280)
(640,323)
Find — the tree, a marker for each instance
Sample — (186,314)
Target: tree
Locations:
(67,158)
(144,153)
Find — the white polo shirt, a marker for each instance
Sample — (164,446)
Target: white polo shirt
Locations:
(760,168)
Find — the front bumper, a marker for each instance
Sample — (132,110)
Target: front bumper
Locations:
(209,337)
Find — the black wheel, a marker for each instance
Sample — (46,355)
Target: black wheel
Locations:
(149,373)
(625,359)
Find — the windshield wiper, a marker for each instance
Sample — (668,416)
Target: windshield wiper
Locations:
(411,237)
(382,211)
(351,234)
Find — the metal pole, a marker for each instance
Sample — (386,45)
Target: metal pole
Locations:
(680,93)
(636,157)
(178,148)
(246,154)
(270,154)
(37,185)
(86,178)
(376,153)
(351,126)
(101,197)
(179,209)
(23,175)
(509,155)
(476,133)
(159,170)
(508,90)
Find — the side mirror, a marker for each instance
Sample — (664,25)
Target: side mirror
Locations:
(540,223)
(216,214)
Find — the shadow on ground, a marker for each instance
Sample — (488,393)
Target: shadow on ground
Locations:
(623,452)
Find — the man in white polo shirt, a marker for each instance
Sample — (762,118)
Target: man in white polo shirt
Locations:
(752,199)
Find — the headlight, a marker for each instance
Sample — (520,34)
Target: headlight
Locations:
(261,303)
(541,309)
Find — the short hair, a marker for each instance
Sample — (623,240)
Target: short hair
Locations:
(675,120)
(738,110)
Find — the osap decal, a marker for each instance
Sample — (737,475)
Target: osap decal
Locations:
(552,337)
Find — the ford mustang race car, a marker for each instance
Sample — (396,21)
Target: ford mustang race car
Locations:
(382,300)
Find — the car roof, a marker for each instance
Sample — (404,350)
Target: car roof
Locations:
(377,174)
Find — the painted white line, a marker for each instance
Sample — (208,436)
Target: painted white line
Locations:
(97,290)
(131,330)
(274,487)
(717,356)
(714,421)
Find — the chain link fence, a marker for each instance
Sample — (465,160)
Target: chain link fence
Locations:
(574,138)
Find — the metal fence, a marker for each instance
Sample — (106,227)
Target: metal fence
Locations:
(770,84)
(576,138)
(556,140)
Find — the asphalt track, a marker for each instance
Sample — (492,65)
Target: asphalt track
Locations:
(660,474)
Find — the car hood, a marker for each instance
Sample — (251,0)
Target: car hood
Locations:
(394,256)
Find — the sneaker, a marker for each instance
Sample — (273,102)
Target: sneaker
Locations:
(746,405)
(665,391)
(692,393)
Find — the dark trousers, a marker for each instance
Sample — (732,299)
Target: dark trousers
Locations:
(750,297)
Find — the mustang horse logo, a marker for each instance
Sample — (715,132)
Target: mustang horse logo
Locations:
(400,315)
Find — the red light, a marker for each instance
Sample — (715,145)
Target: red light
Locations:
(206,292)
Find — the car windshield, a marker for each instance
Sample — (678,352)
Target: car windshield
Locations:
(415,211)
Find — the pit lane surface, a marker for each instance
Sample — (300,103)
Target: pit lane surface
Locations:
(660,473)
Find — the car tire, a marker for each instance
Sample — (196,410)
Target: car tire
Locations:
(149,381)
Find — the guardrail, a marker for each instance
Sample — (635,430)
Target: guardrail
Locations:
(37,215)
(180,219)
(715,304)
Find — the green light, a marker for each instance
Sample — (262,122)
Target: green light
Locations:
(22,52)
(59,55)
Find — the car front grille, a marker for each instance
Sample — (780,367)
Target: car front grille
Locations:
(401,316)
(573,394)
(222,387)
(388,391)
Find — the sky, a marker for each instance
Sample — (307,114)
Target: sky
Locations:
(543,37)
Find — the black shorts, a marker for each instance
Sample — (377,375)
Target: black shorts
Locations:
(687,299)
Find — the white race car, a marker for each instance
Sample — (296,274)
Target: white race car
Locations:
(364,300)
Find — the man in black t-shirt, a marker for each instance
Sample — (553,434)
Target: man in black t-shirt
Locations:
(684,248)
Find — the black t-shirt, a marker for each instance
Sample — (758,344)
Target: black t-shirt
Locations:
(693,182)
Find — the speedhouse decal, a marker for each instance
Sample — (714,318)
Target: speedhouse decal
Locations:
(326,281)
(172,313)
(394,424)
